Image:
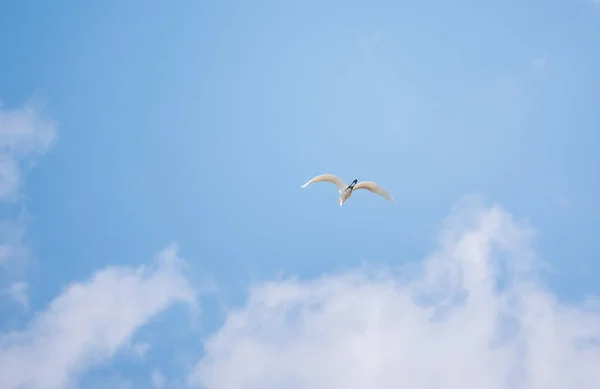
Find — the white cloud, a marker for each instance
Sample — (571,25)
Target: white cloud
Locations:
(472,315)
(24,135)
(89,322)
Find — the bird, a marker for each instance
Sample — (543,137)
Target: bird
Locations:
(346,190)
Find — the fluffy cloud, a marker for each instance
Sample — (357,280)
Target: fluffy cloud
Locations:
(90,321)
(24,135)
(472,315)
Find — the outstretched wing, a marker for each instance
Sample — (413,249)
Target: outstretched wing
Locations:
(373,187)
(338,182)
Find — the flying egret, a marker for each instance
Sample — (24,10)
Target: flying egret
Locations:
(346,190)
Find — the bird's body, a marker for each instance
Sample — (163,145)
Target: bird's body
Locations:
(346,190)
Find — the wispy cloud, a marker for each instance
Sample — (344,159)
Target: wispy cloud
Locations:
(90,321)
(158,379)
(18,292)
(474,314)
(24,135)
(141,349)
(12,241)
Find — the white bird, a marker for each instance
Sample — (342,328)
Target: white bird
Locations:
(346,190)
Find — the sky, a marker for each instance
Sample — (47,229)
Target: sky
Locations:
(153,232)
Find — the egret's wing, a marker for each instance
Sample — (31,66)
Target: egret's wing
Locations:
(373,187)
(338,182)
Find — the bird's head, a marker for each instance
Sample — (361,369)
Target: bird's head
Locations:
(353,183)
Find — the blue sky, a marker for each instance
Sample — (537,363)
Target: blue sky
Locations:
(182,132)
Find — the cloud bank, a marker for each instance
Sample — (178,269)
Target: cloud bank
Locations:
(472,315)
(90,321)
